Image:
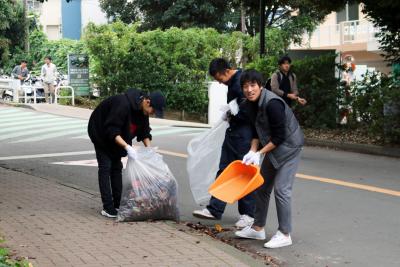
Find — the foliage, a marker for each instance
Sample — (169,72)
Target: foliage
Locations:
(168,13)
(386,16)
(317,84)
(41,47)
(11,29)
(375,103)
(155,14)
(174,61)
(5,260)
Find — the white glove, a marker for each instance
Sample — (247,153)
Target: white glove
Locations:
(252,158)
(132,154)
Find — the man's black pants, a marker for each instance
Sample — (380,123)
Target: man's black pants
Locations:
(110,179)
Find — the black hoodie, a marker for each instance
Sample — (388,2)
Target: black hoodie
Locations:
(119,115)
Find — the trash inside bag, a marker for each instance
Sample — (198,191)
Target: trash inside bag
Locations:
(204,152)
(149,190)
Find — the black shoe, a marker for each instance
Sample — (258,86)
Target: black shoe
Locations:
(109,214)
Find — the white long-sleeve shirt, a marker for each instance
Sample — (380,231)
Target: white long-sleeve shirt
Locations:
(49,73)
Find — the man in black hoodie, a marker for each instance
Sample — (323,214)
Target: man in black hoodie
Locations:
(112,126)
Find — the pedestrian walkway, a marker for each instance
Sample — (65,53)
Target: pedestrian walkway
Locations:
(22,126)
(55,225)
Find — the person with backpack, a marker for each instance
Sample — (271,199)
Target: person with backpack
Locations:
(284,83)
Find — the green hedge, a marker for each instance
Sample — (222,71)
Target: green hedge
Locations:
(174,61)
(375,104)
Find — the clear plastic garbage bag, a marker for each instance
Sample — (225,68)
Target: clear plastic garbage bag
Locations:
(204,152)
(149,190)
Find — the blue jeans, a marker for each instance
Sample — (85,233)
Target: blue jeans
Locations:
(236,144)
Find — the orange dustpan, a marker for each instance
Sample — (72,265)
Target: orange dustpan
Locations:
(236,181)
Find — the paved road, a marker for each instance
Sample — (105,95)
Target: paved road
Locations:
(337,222)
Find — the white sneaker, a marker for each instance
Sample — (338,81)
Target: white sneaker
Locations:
(244,221)
(203,214)
(279,240)
(250,233)
(108,214)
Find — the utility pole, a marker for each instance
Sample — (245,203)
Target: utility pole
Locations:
(262,28)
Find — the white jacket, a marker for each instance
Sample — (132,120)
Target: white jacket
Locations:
(48,73)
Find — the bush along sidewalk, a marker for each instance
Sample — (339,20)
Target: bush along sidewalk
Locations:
(8,260)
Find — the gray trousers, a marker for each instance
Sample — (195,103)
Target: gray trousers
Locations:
(282,181)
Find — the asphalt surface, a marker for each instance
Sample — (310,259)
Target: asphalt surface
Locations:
(335,223)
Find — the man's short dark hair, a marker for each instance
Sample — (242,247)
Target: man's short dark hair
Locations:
(24,61)
(251,76)
(218,65)
(48,57)
(283,59)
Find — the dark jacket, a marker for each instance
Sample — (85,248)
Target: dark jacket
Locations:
(118,115)
(235,91)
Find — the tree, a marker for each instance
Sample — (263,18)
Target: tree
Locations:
(287,14)
(168,13)
(11,28)
(386,16)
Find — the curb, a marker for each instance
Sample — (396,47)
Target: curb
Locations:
(358,148)
(18,105)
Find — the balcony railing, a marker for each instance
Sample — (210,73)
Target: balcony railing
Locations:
(347,32)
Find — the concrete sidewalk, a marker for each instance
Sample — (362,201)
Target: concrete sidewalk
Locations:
(55,225)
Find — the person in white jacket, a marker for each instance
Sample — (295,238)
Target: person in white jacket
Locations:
(48,74)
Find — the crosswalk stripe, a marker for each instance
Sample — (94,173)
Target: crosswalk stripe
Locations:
(25,118)
(37,124)
(52,135)
(42,130)
(35,121)
(10,110)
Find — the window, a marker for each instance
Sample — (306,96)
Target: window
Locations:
(34,5)
(349,12)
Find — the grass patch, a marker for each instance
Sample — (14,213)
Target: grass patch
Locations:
(7,261)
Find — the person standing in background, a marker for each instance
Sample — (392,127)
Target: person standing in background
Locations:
(48,74)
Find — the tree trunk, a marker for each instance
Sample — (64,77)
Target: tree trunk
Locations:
(242,17)
(26,26)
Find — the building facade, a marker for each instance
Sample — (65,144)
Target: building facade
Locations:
(350,34)
(62,19)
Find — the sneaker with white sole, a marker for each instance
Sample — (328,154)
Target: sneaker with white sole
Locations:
(109,214)
(279,240)
(203,214)
(250,233)
(244,221)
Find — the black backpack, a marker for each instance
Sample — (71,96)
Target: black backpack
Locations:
(268,83)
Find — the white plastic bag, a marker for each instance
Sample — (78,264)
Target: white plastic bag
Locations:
(149,190)
(204,152)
